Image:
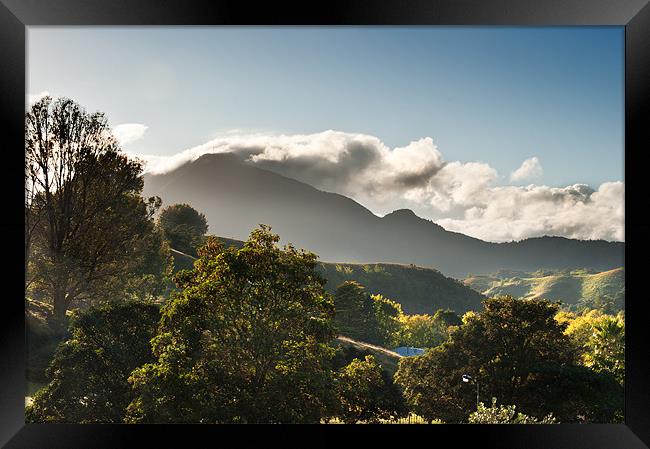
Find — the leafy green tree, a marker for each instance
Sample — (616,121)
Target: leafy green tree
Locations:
(518,352)
(601,339)
(448,317)
(366,393)
(184,227)
(353,308)
(383,322)
(505,414)
(425,331)
(369,318)
(607,348)
(88,377)
(245,340)
(87,228)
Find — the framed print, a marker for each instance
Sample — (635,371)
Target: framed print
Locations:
(353,218)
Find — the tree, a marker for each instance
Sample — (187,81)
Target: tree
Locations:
(518,352)
(184,227)
(246,339)
(366,393)
(601,339)
(87,226)
(607,348)
(505,414)
(370,318)
(88,377)
(383,322)
(448,317)
(425,331)
(352,309)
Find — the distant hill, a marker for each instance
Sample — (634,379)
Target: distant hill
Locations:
(572,288)
(417,289)
(236,197)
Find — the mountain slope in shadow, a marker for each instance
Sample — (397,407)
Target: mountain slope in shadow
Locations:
(236,197)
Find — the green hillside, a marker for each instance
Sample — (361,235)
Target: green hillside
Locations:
(417,289)
(576,288)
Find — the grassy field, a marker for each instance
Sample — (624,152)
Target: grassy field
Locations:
(571,288)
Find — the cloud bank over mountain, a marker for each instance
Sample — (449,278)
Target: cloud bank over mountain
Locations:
(460,196)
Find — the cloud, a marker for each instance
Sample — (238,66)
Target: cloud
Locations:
(347,163)
(126,133)
(460,196)
(530,169)
(515,213)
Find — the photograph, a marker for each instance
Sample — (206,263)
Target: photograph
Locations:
(325,224)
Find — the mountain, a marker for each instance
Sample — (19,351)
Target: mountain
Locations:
(236,197)
(573,288)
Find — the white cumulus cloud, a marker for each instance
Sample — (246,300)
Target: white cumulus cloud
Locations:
(126,133)
(460,196)
(529,169)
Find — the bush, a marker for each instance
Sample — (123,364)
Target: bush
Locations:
(89,372)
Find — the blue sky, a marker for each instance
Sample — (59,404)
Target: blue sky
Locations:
(497,95)
(501,133)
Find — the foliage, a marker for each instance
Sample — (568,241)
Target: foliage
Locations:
(40,339)
(416,289)
(425,331)
(600,337)
(420,331)
(88,231)
(518,352)
(366,393)
(184,227)
(608,348)
(245,340)
(384,321)
(505,414)
(89,372)
(369,318)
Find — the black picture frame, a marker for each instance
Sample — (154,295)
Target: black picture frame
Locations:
(634,15)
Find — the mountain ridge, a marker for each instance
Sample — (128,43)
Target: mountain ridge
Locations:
(236,197)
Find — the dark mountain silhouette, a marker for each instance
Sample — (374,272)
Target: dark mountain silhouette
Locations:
(236,197)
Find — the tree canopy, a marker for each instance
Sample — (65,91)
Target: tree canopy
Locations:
(184,227)
(359,315)
(366,393)
(600,338)
(88,231)
(518,353)
(89,372)
(246,339)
